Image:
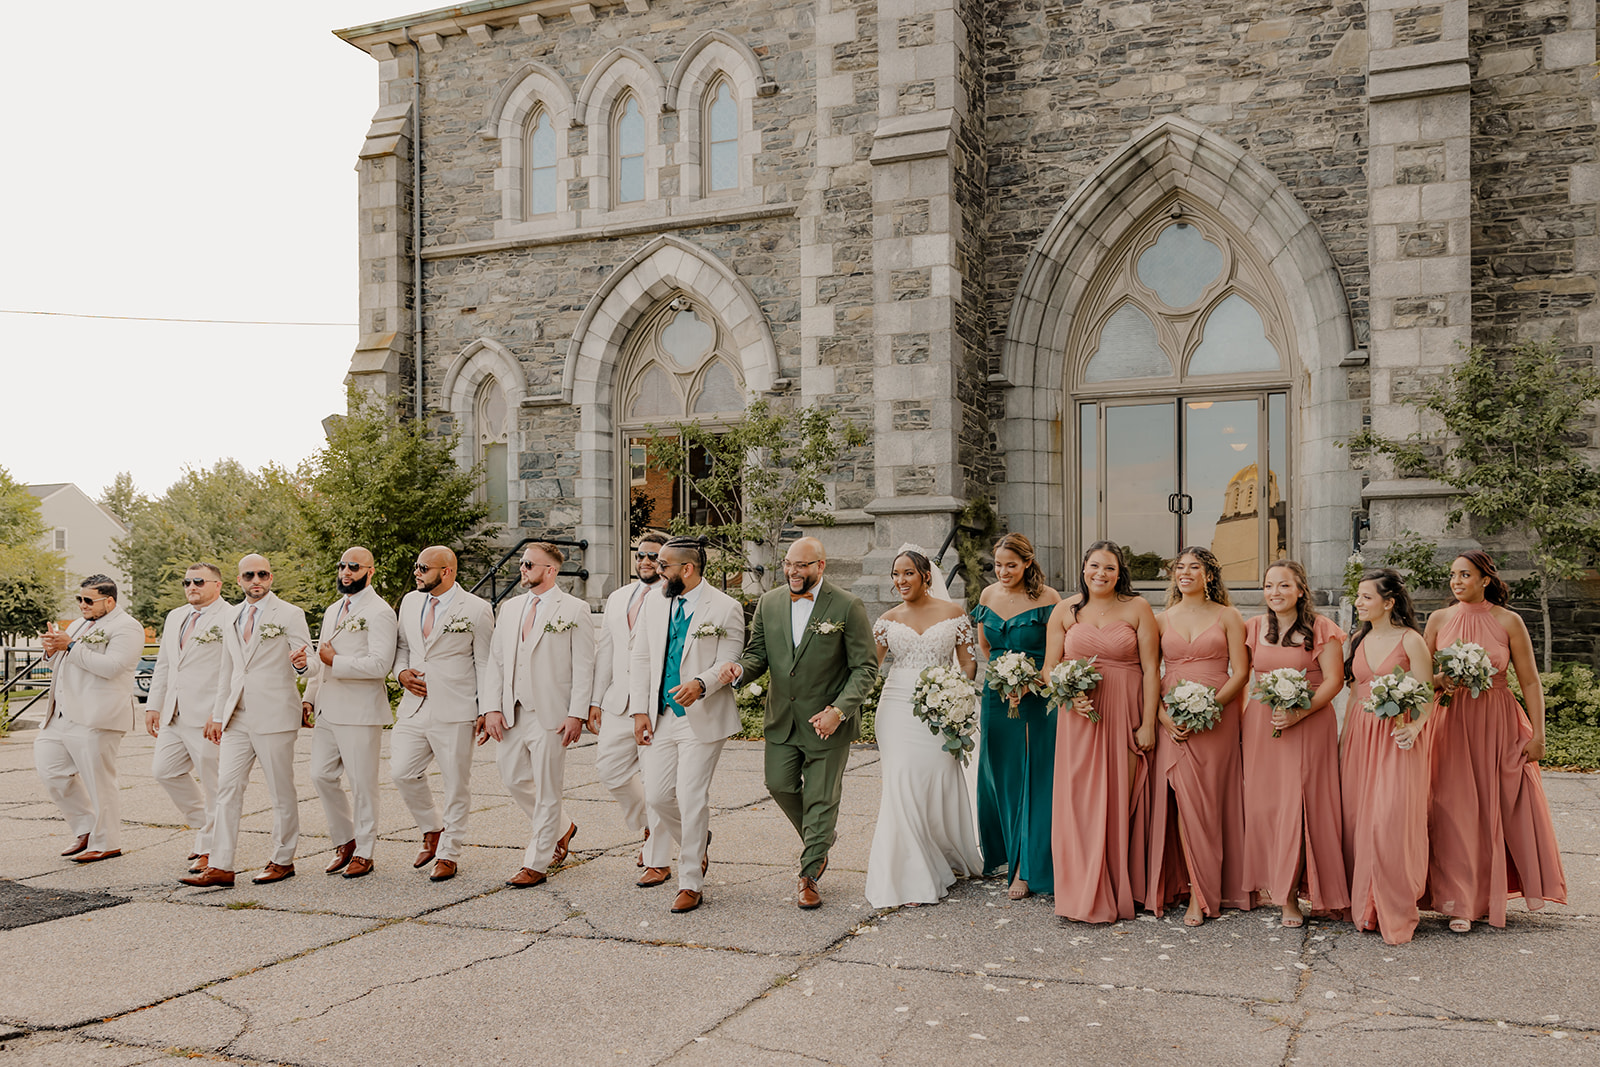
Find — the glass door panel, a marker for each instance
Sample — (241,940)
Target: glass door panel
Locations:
(1221,451)
(1139,480)
(1277,489)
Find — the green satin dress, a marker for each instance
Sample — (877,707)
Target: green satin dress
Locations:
(1016,760)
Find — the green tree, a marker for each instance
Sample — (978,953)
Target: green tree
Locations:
(214,515)
(122,498)
(31,577)
(383,483)
(754,480)
(1508,449)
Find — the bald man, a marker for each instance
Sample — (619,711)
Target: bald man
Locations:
(346,691)
(442,661)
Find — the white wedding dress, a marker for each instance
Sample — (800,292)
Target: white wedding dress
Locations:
(926,835)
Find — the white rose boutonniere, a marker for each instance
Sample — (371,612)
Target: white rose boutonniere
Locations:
(707,629)
(755,689)
(559,626)
(270,630)
(95,637)
(826,626)
(458,624)
(210,637)
(357,623)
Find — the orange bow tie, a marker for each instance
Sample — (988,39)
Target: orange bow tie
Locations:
(803,596)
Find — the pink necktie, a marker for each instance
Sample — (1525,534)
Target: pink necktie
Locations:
(344,609)
(250,624)
(188,628)
(635,606)
(427,617)
(527,622)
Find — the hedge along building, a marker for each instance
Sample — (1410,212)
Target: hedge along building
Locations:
(1128,270)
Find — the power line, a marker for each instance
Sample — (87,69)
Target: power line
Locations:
(155,318)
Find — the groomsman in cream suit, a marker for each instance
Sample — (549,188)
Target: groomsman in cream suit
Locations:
(616,758)
(443,662)
(347,692)
(91,707)
(257,716)
(191,666)
(544,668)
(682,713)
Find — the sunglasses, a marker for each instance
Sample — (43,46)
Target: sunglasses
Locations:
(187,582)
(90,599)
(251,576)
(647,555)
(528,565)
(342,565)
(423,568)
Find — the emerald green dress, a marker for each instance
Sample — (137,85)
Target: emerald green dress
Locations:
(1016,760)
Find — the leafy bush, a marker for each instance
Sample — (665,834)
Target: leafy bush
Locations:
(753,710)
(1571,747)
(1572,716)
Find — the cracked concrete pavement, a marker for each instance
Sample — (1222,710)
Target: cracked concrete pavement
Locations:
(588,969)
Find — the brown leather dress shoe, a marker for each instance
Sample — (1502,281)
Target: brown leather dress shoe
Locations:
(77,846)
(359,866)
(430,845)
(341,856)
(193,856)
(200,863)
(807,896)
(274,872)
(443,871)
(559,856)
(653,876)
(211,876)
(687,900)
(526,878)
(96,857)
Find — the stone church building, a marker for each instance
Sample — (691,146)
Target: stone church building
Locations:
(1127,270)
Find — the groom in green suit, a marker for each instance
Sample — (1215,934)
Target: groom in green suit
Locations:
(815,639)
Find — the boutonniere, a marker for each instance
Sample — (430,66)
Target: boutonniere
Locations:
(458,624)
(357,623)
(559,626)
(271,629)
(210,637)
(95,637)
(707,629)
(826,626)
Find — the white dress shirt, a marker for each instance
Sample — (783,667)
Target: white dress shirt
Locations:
(800,614)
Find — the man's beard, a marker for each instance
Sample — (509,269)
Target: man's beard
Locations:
(810,585)
(429,587)
(652,580)
(353,586)
(674,587)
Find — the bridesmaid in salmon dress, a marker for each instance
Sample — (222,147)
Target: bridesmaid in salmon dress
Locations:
(1384,772)
(1292,820)
(1100,821)
(1488,821)
(1016,756)
(1197,809)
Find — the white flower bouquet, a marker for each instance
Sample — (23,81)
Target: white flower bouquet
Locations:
(1069,678)
(458,624)
(1284,689)
(947,701)
(1465,664)
(1011,674)
(1396,694)
(1193,707)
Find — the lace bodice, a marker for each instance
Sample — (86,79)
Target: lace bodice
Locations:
(934,647)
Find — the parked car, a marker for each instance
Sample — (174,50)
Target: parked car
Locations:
(141,678)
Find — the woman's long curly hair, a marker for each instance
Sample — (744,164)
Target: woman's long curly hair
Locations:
(1305,622)
(1216,589)
(1390,587)
(1022,548)
(1124,586)
(1498,592)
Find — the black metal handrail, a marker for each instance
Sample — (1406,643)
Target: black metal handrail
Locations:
(32,661)
(492,578)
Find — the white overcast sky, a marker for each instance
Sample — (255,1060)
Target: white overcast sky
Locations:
(183,160)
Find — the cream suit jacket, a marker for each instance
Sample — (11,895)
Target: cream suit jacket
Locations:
(614,649)
(91,683)
(260,677)
(456,665)
(352,691)
(191,676)
(715,715)
(560,665)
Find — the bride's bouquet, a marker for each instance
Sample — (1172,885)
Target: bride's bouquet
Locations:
(1465,664)
(1397,694)
(1193,707)
(1069,678)
(1284,689)
(947,701)
(1011,674)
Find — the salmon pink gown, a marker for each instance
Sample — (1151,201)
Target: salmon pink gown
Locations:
(1488,821)
(1291,784)
(1100,817)
(1385,811)
(1203,780)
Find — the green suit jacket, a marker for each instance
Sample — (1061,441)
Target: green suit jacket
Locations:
(835,664)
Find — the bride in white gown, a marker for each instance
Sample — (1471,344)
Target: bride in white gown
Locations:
(926,836)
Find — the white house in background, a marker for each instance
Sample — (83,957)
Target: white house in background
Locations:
(83,531)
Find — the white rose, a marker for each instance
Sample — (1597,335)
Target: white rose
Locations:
(1285,688)
(756,690)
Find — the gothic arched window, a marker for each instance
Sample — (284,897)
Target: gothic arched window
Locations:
(540,167)
(491,433)
(721,126)
(628,145)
